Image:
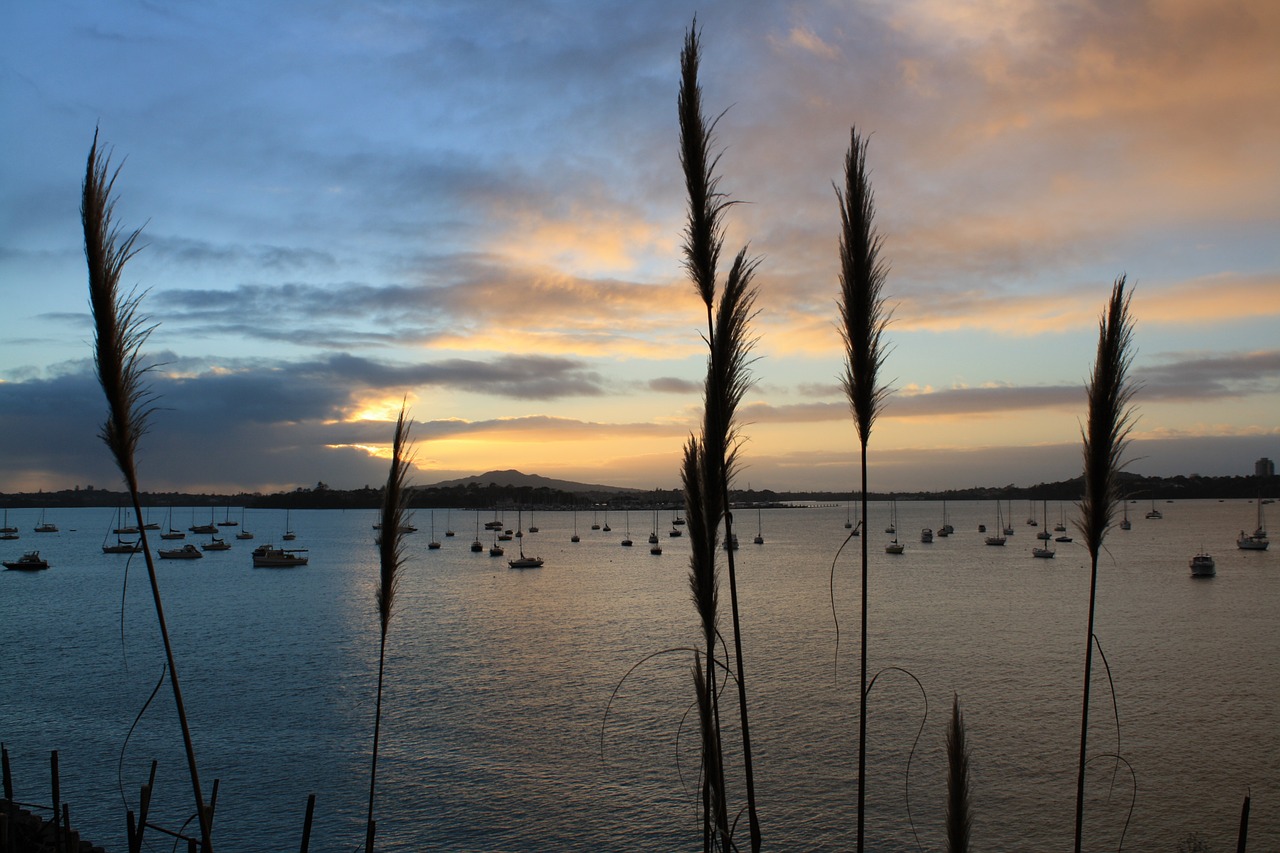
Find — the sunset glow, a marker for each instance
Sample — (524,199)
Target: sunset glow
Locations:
(485,219)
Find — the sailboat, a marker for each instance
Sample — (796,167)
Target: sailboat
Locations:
(1257,540)
(998,539)
(848,514)
(759,540)
(893,517)
(7,532)
(1125,523)
(946,529)
(433,545)
(172,532)
(45,526)
(606,527)
(653,534)
(626,542)
(448,522)
(1044,551)
(1061,526)
(121,546)
(675,519)
(523,562)
(575,537)
(209,528)
(289,535)
(1007,530)
(228,522)
(1154,513)
(477,547)
(595,525)
(242,533)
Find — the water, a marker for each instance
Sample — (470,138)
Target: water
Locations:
(495,733)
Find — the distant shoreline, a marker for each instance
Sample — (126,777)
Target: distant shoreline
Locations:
(475,496)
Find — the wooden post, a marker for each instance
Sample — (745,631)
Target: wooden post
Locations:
(306,822)
(1244,825)
(57,800)
(8,778)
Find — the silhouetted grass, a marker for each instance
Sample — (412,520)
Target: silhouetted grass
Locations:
(863,320)
(709,460)
(390,562)
(1105,438)
(119,333)
(959,808)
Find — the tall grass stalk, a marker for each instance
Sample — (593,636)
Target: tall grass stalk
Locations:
(119,334)
(959,807)
(863,318)
(729,342)
(390,562)
(1105,438)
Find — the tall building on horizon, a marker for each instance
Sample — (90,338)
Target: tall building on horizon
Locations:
(1264,467)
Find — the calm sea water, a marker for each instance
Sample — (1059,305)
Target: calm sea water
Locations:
(549,709)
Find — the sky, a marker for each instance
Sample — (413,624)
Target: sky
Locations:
(477,208)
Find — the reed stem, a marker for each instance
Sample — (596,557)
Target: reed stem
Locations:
(119,333)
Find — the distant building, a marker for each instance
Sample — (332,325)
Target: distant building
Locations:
(1264,467)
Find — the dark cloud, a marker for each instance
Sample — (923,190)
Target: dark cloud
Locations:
(1211,377)
(674,385)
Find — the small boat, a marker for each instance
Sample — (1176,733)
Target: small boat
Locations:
(759,540)
(477,547)
(203,528)
(1257,540)
(1202,566)
(1063,538)
(121,546)
(848,515)
(594,524)
(895,547)
(288,534)
(575,537)
(1154,513)
(227,522)
(998,539)
(186,552)
(434,544)
(926,535)
(1043,552)
(606,527)
(947,527)
(7,532)
(243,533)
(1125,523)
(523,562)
(496,550)
(626,541)
(28,562)
(45,526)
(271,557)
(1061,526)
(172,533)
(732,544)
(893,518)
(216,544)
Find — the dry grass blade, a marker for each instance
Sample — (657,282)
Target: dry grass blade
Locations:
(1110,418)
(704,235)
(862,276)
(391,561)
(391,535)
(1105,437)
(119,329)
(119,333)
(703,580)
(863,318)
(959,809)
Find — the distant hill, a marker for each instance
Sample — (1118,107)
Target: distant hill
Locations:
(517,479)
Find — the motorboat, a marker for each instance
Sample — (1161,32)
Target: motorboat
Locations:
(28,562)
(271,557)
(186,552)
(1202,566)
